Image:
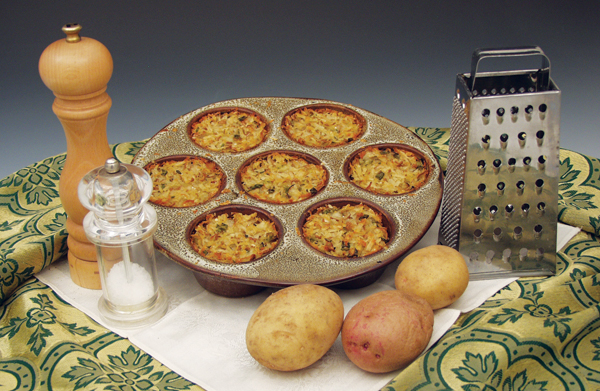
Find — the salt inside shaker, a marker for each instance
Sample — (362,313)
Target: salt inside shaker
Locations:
(121,225)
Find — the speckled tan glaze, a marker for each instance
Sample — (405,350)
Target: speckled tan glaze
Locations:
(293,261)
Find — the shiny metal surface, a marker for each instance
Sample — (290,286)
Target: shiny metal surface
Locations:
(500,199)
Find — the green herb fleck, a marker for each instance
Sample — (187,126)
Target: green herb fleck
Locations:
(221,227)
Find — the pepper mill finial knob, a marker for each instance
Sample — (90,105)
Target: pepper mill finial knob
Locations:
(77,70)
(72,30)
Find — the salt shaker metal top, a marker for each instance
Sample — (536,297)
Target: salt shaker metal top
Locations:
(121,224)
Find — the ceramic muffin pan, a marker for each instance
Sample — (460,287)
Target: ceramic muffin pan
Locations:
(408,216)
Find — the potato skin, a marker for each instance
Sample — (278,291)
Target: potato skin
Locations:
(387,330)
(439,274)
(295,327)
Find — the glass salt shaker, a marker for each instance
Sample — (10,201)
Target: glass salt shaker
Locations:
(121,225)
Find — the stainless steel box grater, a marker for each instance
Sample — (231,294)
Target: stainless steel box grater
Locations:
(500,201)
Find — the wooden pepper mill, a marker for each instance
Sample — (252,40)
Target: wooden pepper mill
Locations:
(77,69)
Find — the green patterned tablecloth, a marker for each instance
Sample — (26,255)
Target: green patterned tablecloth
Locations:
(536,334)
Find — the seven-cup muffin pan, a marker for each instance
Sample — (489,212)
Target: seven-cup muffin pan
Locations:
(407,216)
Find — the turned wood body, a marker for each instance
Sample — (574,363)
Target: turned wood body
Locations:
(77,70)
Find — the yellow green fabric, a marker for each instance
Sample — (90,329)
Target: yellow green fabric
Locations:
(538,333)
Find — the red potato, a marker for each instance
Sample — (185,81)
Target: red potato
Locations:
(386,331)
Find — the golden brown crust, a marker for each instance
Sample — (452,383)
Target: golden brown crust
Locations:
(229,131)
(388,171)
(322,127)
(184,183)
(282,178)
(234,238)
(348,231)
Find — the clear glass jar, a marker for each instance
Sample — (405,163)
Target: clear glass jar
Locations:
(121,224)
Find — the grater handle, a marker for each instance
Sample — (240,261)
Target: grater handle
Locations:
(480,54)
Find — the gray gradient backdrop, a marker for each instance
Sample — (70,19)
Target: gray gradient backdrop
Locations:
(398,59)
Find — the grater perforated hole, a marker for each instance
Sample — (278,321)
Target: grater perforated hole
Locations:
(540,137)
(474,256)
(513,113)
(522,254)
(476,214)
(542,110)
(511,164)
(541,208)
(542,162)
(517,233)
(481,190)
(503,140)
(529,109)
(520,187)
(539,184)
(508,211)
(539,253)
(524,210)
(512,90)
(537,231)
(526,163)
(481,167)
(485,141)
(500,115)
(506,254)
(500,188)
(477,234)
(489,255)
(485,116)
(496,164)
(497,235)
(493,212)
(522,139)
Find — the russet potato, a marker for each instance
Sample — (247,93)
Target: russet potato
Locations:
(387,330)
(439,274)
(295,327)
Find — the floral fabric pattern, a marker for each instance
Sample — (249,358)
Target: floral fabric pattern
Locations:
(46,344)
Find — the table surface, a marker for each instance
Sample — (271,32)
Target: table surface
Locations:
(396,59)
(538,333)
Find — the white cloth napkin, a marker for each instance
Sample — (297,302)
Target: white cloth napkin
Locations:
(202,336)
